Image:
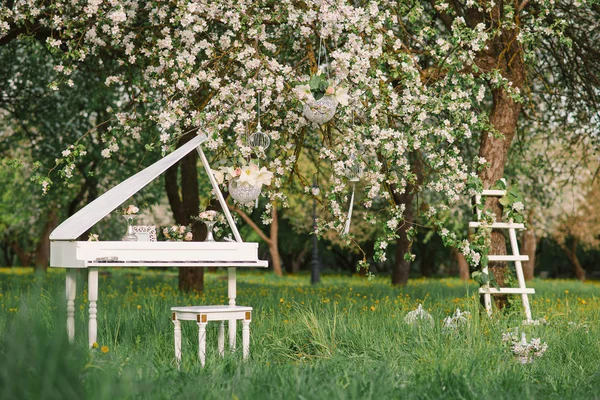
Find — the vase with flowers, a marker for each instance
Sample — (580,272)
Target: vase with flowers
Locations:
(129,213)
(209,218)
(320,98)
(245,181)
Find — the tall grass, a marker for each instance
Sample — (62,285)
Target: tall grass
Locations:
(345,338)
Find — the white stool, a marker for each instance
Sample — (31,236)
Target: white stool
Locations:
(203,315)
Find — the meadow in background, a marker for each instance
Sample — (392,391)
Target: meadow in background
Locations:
(344,338)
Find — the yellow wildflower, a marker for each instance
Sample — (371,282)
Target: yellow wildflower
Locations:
(104,349)
(94,345)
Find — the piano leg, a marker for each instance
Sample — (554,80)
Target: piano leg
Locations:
(231,289)
(93,298)
(70,287)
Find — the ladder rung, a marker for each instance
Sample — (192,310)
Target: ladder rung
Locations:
(507,291)
(508,257)
(498,225)
(495,193)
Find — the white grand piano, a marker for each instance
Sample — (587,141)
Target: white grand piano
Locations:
(67,252)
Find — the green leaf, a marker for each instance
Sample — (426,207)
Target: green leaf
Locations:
(499,185)
(314,82)
(505,201)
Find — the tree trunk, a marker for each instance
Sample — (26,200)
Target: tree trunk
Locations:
(23,257)
(185,206)
(297,261)
(529,249)
(401,269)
(427,261)
(503,117)
(42,250)
(273,245)
(571,253)
(463,266)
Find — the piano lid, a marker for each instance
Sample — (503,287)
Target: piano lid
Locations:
(89,215)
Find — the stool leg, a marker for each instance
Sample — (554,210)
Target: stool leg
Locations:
(202,342)
(177,326)
(246,338)
(222,338)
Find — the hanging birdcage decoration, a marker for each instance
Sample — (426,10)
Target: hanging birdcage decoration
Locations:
(355,171)
(259,141)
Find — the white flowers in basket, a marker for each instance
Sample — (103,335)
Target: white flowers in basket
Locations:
(320,99)
(245,182)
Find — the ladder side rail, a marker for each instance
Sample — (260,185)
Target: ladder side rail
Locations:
(519,270)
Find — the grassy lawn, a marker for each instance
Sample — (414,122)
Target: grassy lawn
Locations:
(345,338)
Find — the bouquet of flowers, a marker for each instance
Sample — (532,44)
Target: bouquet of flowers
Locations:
(130,210)
(208,216)
(177,233)
(320,98)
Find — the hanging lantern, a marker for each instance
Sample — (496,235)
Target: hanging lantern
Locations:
(355,171)
(259,140)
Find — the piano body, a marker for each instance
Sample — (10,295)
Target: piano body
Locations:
(67,252)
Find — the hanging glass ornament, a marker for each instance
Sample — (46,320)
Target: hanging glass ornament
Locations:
(259,140)
(355,171)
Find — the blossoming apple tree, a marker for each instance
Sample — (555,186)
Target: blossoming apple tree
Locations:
(434,89)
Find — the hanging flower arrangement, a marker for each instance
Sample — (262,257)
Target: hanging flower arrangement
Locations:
(320,98)
(245,182)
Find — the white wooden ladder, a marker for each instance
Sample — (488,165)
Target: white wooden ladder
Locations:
(486,290)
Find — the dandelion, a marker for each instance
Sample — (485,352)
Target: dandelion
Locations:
(95,345)
(104,349)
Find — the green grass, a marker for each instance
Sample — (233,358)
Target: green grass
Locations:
(343,339)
